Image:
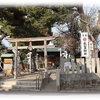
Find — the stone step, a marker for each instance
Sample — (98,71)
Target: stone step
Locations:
(7,86)
(19,85)
(9,89)
(28,83)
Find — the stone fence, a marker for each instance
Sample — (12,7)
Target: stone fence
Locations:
(79,81)
(84,74)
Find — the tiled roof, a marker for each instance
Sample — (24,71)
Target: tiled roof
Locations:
(7,55)
(56,49)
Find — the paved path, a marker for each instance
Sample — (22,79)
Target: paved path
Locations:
(51,85)
(49,88)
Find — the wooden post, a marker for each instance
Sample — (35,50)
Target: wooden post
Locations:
(30,53)
(15,63)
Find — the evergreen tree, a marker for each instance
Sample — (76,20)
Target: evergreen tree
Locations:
(30,21)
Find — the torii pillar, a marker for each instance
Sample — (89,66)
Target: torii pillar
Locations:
(45,58)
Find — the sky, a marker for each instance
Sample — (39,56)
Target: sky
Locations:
(23,2)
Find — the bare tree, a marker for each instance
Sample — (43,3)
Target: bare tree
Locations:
(69,28)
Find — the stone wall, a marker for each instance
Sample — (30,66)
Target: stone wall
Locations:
(79,81)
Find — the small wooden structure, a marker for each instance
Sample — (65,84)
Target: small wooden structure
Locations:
(7,63)
(30,40)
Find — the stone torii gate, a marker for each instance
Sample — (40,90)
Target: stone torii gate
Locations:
(30,40)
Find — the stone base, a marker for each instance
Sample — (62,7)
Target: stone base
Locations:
(58,88)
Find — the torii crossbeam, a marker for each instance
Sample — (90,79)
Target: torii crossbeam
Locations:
(30,40)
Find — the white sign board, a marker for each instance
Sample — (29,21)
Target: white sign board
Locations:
(84,44)
(7,66)
(67,64)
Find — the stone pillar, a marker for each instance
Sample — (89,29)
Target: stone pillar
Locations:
(30,64)
(30,56)
(78,65)
(19,72)
(45,60)
(67,70)
(87,65)
(98,65)
(83,65)
(73,65)
(93,65)
(58,79)
(45,55)
(15,62)
(62,64)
